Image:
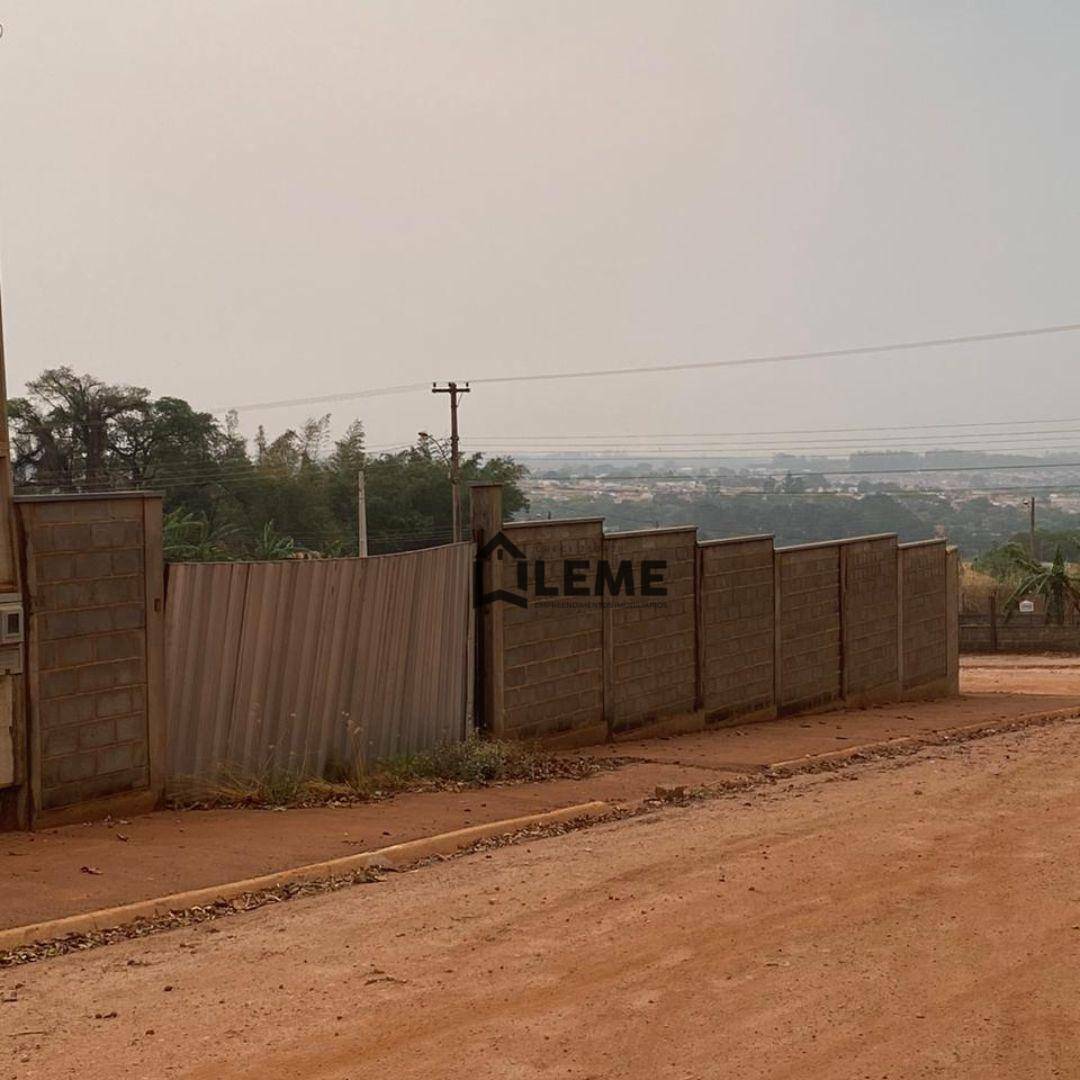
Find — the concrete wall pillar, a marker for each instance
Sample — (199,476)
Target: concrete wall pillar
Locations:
(485,519)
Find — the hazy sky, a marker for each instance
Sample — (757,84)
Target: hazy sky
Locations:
(238,201)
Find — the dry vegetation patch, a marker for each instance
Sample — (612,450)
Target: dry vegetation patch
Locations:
(454,766)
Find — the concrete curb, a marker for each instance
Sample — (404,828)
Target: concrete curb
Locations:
(400,855)
(388,858)
(931,738)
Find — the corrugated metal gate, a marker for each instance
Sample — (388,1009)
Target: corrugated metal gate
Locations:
(310,665)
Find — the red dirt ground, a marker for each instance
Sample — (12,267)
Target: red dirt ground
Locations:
(910,918)
(1052,674)
(41,876)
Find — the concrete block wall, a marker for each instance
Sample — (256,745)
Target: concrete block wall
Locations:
(924,637)
(1017,637)
(736,627)
(808,626)
(745,630)
(976,636)
(89,648)
(870,590)
(650,642)
(552,651)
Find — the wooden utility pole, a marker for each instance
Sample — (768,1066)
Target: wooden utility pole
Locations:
(361,514)
(454,390)
(1031,527)
(13,749)
(9,563)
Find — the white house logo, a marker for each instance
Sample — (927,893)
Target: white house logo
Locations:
(566,577)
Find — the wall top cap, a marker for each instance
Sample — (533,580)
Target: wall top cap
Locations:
(760,537)
(840,542)
(650,532)
(554,522)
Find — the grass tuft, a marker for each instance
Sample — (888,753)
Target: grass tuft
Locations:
(476,762)
(469,764)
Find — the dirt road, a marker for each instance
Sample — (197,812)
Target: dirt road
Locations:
(1008,674)
(167,852)
(912,918)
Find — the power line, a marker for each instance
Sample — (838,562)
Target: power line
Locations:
(526,445)
(1041,444)
(236,471)
(238,474)
(892,493)
(230,471)
(799,431)
(324,399)
(783,358)
(777,358)
(540,444)
(256,476)
(828,472)
(419,534)
(1030,456)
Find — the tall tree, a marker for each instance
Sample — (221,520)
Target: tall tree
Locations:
(296,489)
(66,425)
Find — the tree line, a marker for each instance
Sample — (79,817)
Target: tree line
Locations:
(229,497)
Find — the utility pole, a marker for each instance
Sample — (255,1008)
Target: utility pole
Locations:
(9,563)
(361,514)
(454,390)
(1031,527)
(14,803)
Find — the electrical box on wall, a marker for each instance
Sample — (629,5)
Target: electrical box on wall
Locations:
(11,624)
(12,632)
